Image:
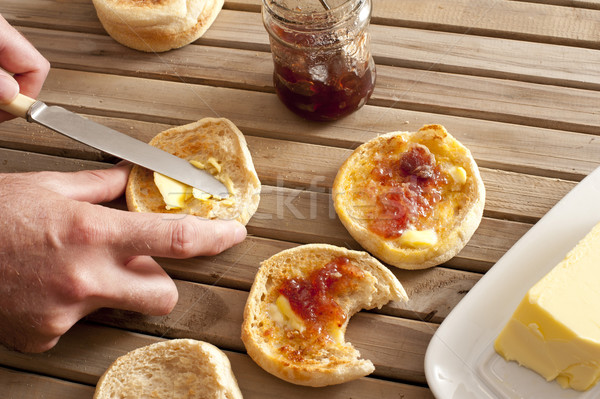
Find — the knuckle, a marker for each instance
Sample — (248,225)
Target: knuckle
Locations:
(74,286)
(33,345)
(55,327)
(183,239)
(47,179)
(42,345)
(78,290)
(167,303)
(84,229)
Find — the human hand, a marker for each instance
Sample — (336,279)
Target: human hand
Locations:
(27,66)
(62,256)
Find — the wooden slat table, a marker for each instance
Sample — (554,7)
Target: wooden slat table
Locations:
(518,82)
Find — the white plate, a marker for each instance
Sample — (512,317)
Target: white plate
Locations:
(460,362)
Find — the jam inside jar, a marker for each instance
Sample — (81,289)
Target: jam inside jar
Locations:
(323,68)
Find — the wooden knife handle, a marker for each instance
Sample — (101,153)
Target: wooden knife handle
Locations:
(19,106)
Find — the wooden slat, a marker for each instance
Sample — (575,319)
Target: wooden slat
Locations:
(517,20)
(471,55)
(18,384)
(444,93)
(12,161)
(96,347)
(192,64)
(485,98)
(73,15)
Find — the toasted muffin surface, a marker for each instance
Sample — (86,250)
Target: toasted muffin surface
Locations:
(211,139)
(181,368)
(299,306)
(156,25)
(411,199)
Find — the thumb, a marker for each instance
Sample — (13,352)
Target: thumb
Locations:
(9,88)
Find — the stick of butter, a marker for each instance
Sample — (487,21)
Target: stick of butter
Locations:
(555,330)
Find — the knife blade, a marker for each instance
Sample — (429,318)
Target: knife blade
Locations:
(115,143)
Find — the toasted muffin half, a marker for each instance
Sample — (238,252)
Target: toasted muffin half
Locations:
(178,368)
(412,199)
(212,144)
(156,25)
(299,306)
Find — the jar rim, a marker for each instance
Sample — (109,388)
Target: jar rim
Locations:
(311,19)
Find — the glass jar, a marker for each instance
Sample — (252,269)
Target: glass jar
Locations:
(323,68)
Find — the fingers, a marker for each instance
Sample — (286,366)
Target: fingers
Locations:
(175,236)
(9,88)
(19,57)
(131,233)
(93,186)
(141,285)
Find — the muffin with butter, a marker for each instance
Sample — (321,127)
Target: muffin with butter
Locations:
(412,199)
(300,304)
(212,144)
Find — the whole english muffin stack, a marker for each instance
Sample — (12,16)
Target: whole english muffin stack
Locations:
(412,199)
(212,144)
(156,25)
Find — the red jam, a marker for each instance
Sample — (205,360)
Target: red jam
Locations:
(407,190)
(323,92)
(313,298)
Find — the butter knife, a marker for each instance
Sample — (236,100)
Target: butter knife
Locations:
(113,142)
